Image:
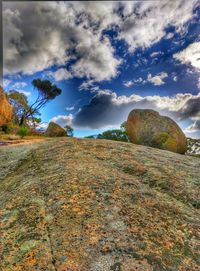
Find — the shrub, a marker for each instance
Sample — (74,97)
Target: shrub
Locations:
(6,128)
(23,131)
(10,128)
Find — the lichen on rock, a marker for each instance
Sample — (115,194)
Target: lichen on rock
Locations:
(55,130)
(148,127)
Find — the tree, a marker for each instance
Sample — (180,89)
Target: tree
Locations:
(46,92)
(123,126)
(117,134)
(69,130)
(19,103)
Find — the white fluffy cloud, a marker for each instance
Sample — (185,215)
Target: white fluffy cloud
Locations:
(19,85)
(145,22)
(190,55)
(31,39)
(36,37)
(157,80)
(128,83)
(96,58)
(60,74)
(39,36)
(135,82)
(63,119)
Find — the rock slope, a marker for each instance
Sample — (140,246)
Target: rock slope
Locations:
(96,205)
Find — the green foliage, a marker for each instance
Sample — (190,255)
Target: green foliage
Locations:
(9,128)
(165,141)
(19,103)
(116,134)
(123,126)
(23,131)
(6,128)
(69,130)
(91,136)
(46,89)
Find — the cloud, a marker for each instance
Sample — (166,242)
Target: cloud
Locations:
(137,81)
(128,83)
(63,120)
(70,108)
(157,80)
(169,36)
(39,36)
(190,55)
(60,74)
(156,54)
(97,59)
(31,37)
(26,93)
(194,127)
(198,83)
(6,82)
(145,22)
(19,85)
(107,108)
(86,85)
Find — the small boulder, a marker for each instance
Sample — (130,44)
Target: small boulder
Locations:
(6,110)
(148,127)
(55,130)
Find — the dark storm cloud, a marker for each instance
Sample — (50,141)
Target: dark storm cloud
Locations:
(191,108)
(108,109)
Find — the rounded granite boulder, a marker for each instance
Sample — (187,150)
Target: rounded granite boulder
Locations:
(147,127)
(55,130)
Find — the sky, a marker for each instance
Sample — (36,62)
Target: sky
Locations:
(108,58)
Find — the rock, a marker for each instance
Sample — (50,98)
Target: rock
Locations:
(148,127)
(5,109)
(55,130)
(98,205)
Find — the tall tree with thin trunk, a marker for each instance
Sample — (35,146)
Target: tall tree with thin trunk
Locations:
(46,91)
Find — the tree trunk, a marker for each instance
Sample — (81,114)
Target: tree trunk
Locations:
(22,121)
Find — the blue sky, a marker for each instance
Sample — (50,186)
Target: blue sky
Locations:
(108,58)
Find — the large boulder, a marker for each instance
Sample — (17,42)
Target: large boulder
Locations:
(5,109)
(148,127)
(55,130)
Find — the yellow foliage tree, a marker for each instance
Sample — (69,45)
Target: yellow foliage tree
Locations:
(5,108)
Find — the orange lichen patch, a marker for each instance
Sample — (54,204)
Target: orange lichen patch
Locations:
(30,259)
